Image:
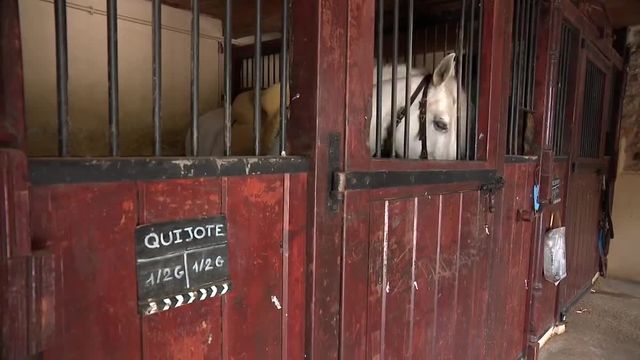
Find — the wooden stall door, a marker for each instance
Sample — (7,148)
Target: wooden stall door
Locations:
(585,180)
(89,227)
(415,281)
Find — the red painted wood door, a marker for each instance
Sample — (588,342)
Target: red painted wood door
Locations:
(89,227)
(416,266)
(585,178)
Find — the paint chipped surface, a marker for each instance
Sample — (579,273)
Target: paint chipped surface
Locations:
(275,302)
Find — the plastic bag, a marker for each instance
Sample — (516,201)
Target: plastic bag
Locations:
(555,261)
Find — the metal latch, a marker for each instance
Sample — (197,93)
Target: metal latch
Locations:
(491,188)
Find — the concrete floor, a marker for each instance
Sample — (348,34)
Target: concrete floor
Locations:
(605,324)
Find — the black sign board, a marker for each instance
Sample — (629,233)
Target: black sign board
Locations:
(555,191)
(181,262)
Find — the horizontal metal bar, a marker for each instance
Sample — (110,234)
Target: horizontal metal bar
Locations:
(362,180)
(518,159)
(52,171)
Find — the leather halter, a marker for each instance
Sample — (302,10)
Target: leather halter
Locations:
(422,88)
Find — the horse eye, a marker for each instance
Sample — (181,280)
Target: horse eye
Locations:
(440,125)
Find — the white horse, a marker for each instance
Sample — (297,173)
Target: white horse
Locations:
(441,112)
(441,115)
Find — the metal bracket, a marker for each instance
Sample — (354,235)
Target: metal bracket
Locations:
(335,196)
(493,186)
(490,189)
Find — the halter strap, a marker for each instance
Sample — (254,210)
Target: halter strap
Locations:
(423,113)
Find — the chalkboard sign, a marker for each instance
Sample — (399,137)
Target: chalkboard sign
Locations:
(555,191)
(181,262)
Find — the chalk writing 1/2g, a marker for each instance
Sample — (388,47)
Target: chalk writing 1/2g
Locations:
(164,275)
(207,264)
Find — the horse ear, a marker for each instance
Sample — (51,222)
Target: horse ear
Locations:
(445,70)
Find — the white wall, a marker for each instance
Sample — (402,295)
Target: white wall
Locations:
(88,92)
(624,251)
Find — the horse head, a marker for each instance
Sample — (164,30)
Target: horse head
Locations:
(441,121)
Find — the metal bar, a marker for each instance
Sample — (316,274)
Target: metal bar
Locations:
(598,114)
(362,180)
(593,89)
(561,114)
(513,106)
(90,170)
(446,38)
(257,78)
(594,107)
(424,50)
(468,77)
(379,65)
(525,53)
(112,49)
(474,123)
(394,75)
(521,80)
(284,76)
(559,92)
(586,118)
(227,77)
(62,76)
(195,73)
(156,23)
(586,110)
(435,48)
(532,53)
(407,92)
(459,51)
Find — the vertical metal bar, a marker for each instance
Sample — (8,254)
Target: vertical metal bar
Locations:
(62,77)
(394,75)
(474,122)
(112,49)
(521,79)
(379,65)
(424,50)
(284,75)
(559,92)
(513,106)
(257,78)
(195,73)
(525,54)
(156,23)
(532,53)
(460,50)
(561,114)
(592,101)
(571,43)
(469,72)
(434,47)
(407,92)
(594,109)
(227,77)
(599,118)
(562,89)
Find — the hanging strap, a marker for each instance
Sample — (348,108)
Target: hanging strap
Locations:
(402,113)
